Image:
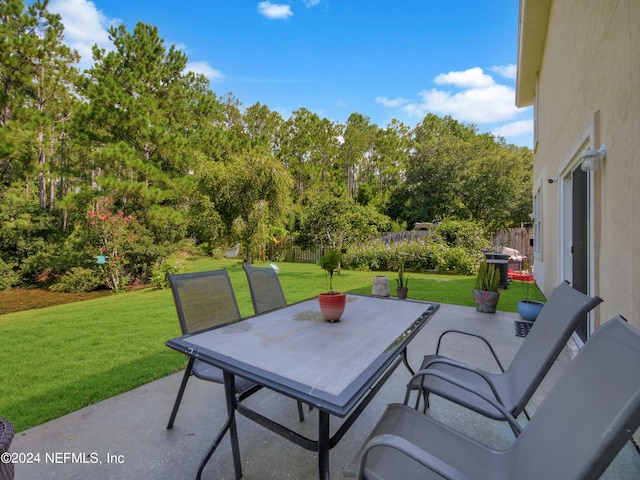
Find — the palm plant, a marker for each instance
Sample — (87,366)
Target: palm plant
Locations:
(330,262)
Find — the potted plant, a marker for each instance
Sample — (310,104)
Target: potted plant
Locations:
(331,303)
(486,294)
(528,309)
(402,281)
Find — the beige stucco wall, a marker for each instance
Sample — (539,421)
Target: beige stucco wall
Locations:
(589,90)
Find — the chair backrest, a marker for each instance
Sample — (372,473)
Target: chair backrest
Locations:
(204,299)
(556,322)
(591,411)
(265,288)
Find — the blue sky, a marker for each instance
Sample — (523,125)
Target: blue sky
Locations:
(384,59)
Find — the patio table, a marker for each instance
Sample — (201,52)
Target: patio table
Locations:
(335,367)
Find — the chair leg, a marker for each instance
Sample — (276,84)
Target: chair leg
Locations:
(425,396)
(300,411)
(183,385)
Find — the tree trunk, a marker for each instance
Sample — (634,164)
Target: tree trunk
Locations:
(42,159)
(42,189)
(52,194)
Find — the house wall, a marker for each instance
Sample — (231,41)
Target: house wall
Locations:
(588,93)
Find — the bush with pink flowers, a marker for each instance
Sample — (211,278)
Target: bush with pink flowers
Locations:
(115,235)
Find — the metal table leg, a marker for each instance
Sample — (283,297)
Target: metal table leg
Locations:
(230,394)
(323,445)
(214,445)
(230,425)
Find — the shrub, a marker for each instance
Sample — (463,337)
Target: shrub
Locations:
(122,240)
(465,234)
(35,263)
(163,268)
(418,255)
(458,261)
(8,277)
(78,279)
(454,246)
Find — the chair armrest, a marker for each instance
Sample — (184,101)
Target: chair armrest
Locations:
(515,426)
(463,366)
(412,451)
(486,342)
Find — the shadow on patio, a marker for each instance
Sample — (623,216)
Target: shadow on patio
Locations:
(125,436)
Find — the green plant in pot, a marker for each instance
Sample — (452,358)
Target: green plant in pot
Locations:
(529,309)
(402,281)
(332,303)
(486,294)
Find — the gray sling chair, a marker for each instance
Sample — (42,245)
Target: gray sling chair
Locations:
(265,288)
(266,295)
(512,388)
(577,431)
(205,300)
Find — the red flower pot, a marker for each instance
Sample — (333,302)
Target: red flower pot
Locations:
(332,305)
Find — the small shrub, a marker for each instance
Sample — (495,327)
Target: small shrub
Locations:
(188,246)
(32,265)
(465,234)
(458,261)
(8,277)
(78,279)
(454,246)
(163,268)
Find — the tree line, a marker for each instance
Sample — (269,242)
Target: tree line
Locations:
(137,155)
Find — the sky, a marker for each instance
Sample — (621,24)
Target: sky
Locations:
(385,59)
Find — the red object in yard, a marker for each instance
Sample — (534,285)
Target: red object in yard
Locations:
(522,276)
(332,305)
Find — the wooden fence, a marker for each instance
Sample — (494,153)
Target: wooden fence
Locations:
(517,238)
(407,236)
(286,251)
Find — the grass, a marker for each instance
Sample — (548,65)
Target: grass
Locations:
(59,359)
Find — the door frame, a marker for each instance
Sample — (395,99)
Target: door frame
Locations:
(565,270)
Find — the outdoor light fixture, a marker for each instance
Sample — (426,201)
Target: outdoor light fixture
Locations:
(589,158)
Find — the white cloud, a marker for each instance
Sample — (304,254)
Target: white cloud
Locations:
(391,102)
(506,71)
(311,3)
(84,26)
(514,129)
(472,78)
(275,11)
(475,105)
(474,98)
(205,69)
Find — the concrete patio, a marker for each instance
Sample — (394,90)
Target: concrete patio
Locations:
(124,437)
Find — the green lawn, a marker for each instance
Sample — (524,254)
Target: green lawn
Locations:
(59,359)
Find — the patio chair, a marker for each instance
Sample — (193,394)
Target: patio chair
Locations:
(577,431)
(265,288)
(7,430)
(266,295)
(204,300)
(513,387)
